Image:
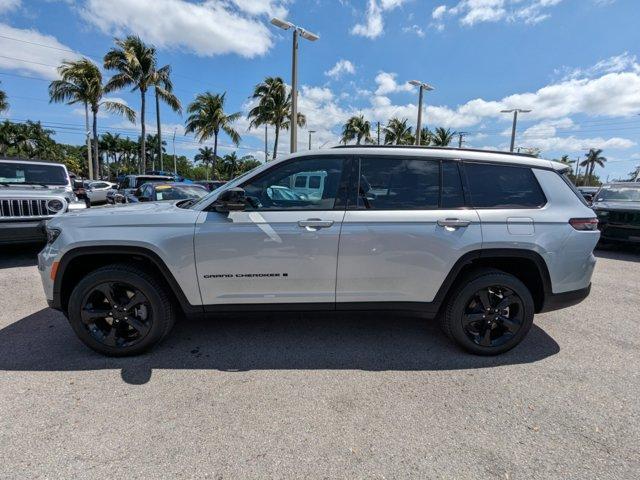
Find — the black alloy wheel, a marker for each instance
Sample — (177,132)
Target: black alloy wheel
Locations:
(116,314)
(493,316)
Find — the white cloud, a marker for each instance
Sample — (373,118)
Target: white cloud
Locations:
(9,5)
(373,25)
(35,58)
(341,67)
(471,12)
(387,84)
(208,28)
(414,29)
(615,64)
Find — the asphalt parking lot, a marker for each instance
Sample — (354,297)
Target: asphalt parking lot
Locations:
(317,396)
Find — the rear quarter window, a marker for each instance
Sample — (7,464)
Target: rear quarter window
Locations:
(503,186)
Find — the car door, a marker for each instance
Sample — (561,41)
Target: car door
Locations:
(99,191)
(283,248)
(403,231)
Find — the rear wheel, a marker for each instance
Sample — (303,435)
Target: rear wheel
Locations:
(120,310)
(489,313)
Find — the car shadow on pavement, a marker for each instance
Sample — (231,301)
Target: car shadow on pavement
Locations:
(13,256)
(378,341)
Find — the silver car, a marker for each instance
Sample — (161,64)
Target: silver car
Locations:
(480,240)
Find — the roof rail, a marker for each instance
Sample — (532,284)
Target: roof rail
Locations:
(422,147)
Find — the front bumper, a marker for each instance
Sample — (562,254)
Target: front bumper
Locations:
(619,233)
(22,231)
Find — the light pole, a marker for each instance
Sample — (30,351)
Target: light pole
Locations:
(310,132)
(515,112)
(422,86)
(175,162)
(283,24)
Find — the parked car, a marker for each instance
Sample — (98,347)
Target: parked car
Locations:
(618,208)
(97,190)
(131,183)
(158,192)
(30,192)
(588,192)
(78,189)
(481,240)
(210,184)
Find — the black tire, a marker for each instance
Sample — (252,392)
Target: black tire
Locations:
(115,330)
(482,329)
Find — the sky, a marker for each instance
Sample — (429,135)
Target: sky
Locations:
(573,63)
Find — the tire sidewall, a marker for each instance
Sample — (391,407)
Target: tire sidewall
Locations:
(92,280)
(463,296)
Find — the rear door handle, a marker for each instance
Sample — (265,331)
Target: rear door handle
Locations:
(315,223)
(454,223)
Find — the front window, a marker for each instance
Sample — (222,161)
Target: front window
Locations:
(610,193)
(286,186)
(32,174)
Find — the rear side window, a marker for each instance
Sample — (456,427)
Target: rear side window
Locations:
(503,186)
(398,184)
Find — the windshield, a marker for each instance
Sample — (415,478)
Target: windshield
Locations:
(142,180)
(168,192)
(618,194)
(16,173)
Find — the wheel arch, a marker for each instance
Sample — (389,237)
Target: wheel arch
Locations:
(82,260)
(526,265)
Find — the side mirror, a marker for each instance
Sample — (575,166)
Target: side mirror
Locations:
(231,200)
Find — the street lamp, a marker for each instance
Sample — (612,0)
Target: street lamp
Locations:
(423,86)
(515,112)
(312,37)
(310,132)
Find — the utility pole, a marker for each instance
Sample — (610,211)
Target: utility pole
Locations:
(175,161)
(422,86)
(89,157)
(515,112)
(461,135)
(310,132)
(378,133)
(294,73)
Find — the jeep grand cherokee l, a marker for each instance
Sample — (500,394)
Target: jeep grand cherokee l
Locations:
(480,240)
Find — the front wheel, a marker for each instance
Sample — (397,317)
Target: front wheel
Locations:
(120,310)
(490,313)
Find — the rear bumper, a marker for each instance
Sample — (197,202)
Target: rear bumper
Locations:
(12,233)
(556,301)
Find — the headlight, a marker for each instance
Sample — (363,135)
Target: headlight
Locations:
(55,205)
(52,234)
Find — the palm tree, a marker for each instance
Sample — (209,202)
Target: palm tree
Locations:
(229,167)
(442,137)
(205,156)
(81,82)
(109,144)
(357,128)
(207,117)
(135,64)
(592,159)
(426,136)
(4,104)
(274,108)
(397,132)
(163,88)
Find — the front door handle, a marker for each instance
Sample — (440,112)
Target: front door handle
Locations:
(454,223)
(315,223)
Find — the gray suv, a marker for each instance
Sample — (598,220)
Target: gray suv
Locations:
(32,191)
(480,240)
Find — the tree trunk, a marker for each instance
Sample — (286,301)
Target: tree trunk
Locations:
(275,142)
(159,131)
(215,154)
(96,159)
(143,142)
(89,160)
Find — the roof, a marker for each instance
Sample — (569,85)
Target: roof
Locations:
(441,152)
(34,161)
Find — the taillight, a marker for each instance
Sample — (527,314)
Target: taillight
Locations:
(584,223)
